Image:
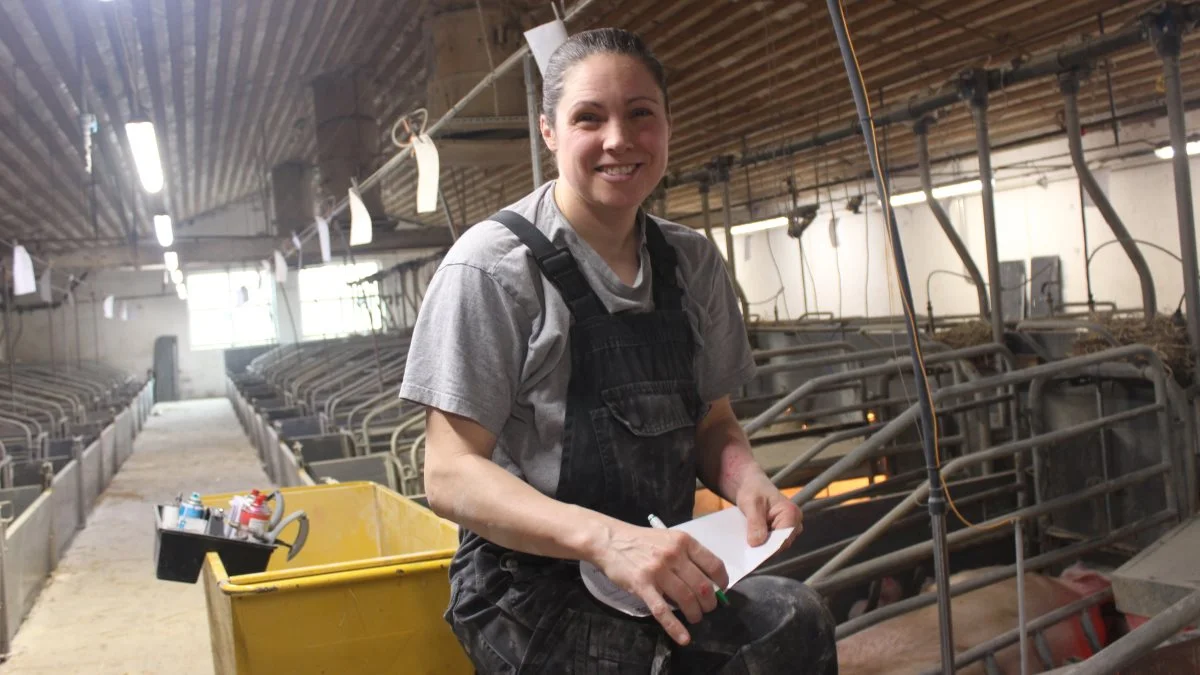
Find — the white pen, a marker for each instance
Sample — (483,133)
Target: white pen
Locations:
(658,524)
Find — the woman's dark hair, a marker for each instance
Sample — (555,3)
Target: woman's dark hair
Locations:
(599,41)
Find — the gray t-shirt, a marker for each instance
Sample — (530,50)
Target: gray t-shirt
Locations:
(491,340)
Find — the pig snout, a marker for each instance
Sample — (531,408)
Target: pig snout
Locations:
(909,643)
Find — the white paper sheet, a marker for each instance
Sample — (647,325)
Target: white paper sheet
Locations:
(323,235)
(428,171)
(544,39)
(723,533)
(24,282)
(108,307)
(361,227)
(280,268)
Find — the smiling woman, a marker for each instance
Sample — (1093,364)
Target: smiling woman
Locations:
(576,356)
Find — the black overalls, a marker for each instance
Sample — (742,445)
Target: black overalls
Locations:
(628,451)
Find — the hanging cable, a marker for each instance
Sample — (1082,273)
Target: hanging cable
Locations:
(936,498)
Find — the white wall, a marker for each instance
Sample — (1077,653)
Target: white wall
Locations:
(1032,220)
(153,312)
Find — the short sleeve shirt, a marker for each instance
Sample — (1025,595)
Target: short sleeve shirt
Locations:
(491,340)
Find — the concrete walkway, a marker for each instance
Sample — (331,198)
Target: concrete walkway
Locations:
(103,610)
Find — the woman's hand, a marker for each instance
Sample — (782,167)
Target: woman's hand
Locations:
(659,565)
(766,509)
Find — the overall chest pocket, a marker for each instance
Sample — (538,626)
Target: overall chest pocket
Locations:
(647,436)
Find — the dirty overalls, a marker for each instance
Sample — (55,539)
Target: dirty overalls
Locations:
(628,451)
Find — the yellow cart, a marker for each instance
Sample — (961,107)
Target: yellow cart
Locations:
(365,595)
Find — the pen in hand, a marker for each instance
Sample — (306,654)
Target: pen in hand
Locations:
(658,524)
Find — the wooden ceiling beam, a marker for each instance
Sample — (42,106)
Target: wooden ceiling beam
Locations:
(199,102)
(63,131)
(248,139)
(176,54)
(227,21)
(249,28)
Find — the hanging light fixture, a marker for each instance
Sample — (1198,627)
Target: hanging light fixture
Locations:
(177,276)
(969,187)
(1168,152)
(360,220)
(171,259)
(144,143)
(164,230)
(181,290)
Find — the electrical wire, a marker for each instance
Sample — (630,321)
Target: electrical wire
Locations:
(925,394)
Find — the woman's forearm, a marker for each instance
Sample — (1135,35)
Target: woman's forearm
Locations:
(484,498)
(726,462)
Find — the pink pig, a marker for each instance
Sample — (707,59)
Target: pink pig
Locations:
(909,643)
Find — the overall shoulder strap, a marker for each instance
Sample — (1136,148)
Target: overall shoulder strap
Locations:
(665,261)
(557,264)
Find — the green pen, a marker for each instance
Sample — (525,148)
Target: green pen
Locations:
(658,524)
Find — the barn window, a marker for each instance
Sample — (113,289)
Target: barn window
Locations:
(222,315)
(331,307)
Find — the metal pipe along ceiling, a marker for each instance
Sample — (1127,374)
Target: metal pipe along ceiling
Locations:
(1069,84)
(922,132)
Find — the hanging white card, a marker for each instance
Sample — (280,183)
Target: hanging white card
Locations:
(280,268)
(544,39)
(361,229)
(242,296)
(323,235)
(44,287)
(24,282)
(124,311)
(108,307)
(296,242)
(428,171)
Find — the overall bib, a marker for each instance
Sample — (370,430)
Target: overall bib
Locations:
(628,450)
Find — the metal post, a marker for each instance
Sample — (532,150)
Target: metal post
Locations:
(1019,536)
(534,130)
(1168,36)
(978,92)
(8,354)
(78,341)
(96,326)
(704,206)
(921,129)
(1069,84)
(727,216)
(53,359)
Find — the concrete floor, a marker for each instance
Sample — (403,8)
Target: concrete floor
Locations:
(103,610)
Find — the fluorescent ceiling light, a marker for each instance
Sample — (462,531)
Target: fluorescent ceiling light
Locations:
(163,230)
(360,220)
(144,144)
(969,187)
(1168,152)
(171,259)
(759,226)
(177,276)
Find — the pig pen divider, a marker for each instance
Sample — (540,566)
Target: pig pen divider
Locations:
(1040,441)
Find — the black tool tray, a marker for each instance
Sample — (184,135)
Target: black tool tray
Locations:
(179,554)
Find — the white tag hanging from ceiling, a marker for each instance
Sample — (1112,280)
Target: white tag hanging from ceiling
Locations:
(280,268)
(124,311)
(323,235)
(108,307)
(544,39)
(360,220)
(428,171)
(44,288)
(24,282)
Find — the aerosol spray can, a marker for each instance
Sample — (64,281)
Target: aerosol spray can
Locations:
(191,514)
(236,506)
(254,517)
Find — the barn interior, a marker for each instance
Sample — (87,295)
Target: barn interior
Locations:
(218,238)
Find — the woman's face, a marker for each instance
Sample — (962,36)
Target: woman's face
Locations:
(610,132)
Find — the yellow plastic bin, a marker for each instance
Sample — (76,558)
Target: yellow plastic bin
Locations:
(365,595)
